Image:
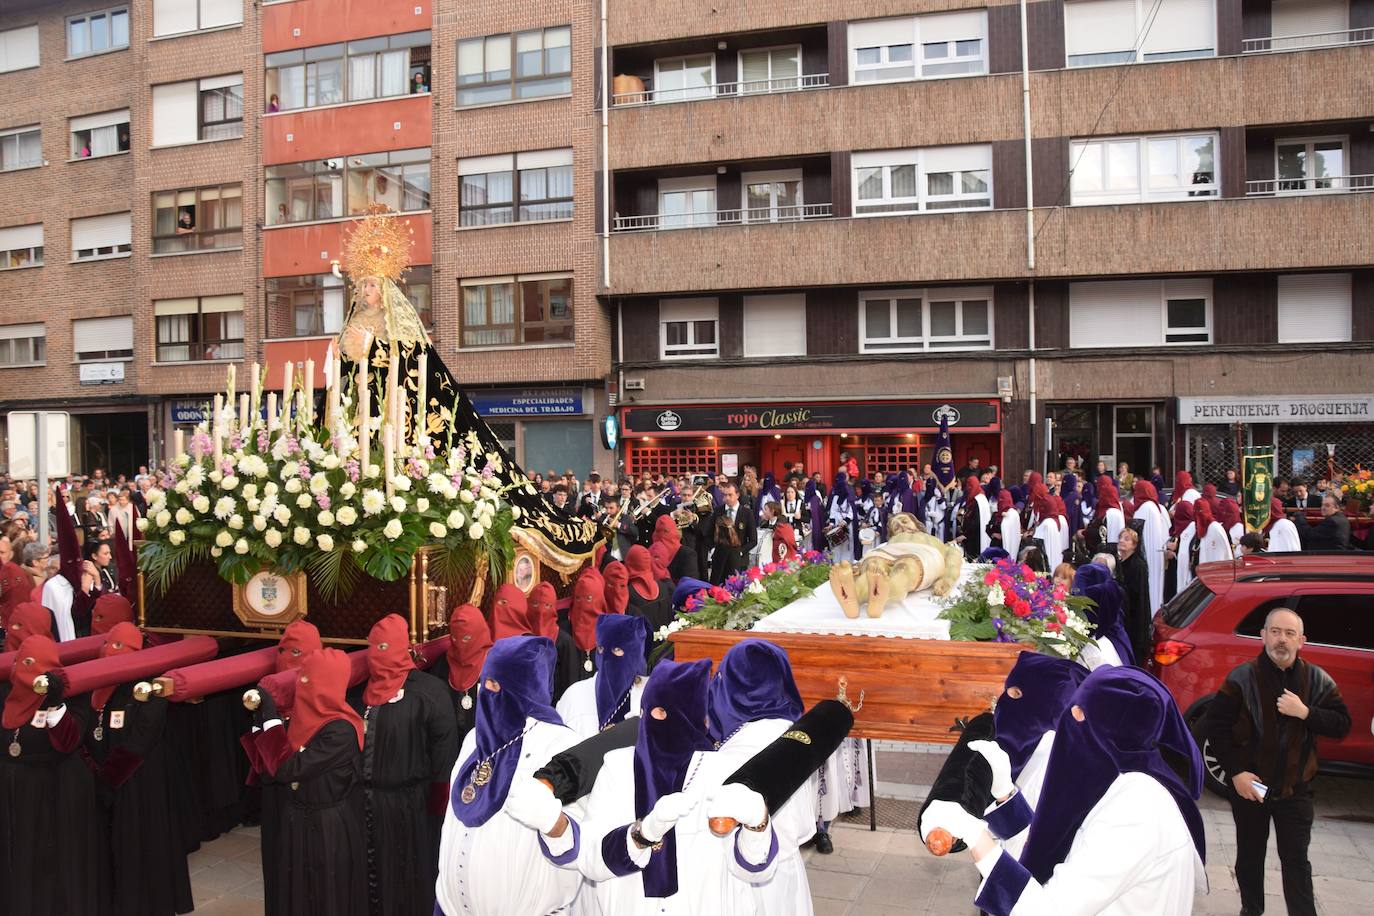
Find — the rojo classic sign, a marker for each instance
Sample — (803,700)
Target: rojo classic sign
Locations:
(880,416)
(1332,408)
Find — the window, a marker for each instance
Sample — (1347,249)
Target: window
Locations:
(92,33)
(542,66)
(103,338)
(99,135)
(20,148)
(1098,32)
(1310,165)
(1307,24)
(914,180)
(930,46)
(1140,313)
(198,219)
(681,79)
(19,48)
(97,237)
(772,196)
(912,320)
(314,306)
(207,109)
(688,328)
(331,188)
(541,182)
(1122,170)
(518,310)
(1328,620)
(1314,308)
(687,202)
(21,246)
(192,330)
(176,17)
(775,325)
(770,69)
(369,68)
(22,344)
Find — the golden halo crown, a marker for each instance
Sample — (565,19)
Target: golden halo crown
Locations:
(378,246)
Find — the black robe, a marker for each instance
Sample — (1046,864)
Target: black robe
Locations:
(410,749)
(148,874)
(685,563)
(972,531)
(321,865)
(567,668)
(50,855)
(658,611)
(464,715)
(1134,576)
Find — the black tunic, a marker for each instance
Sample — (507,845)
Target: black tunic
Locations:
(685,563)
(148,875)
(1134,576)
(321,869)
(659,610)
(568,668)
(411,746)
(49,842)
(464,717)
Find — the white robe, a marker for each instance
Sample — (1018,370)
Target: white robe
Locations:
(841,512)
(1156,535)
(710,876)
(1029,784)
(789,893)
(1132,856)
(1236,533)
(476,864)
(843,782)
(1283,536)
(1011,532)
(1048,532)
(1215,546)
(935,515)
(980,503)
(577,706)
(1183,568)
(58,595)
(1190,495)
(1116,522)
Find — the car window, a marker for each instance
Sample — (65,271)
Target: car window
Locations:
(1185,607)
(1337,620)
(1254,621)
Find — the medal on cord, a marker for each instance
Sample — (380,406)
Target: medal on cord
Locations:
(15,749)
(481,774)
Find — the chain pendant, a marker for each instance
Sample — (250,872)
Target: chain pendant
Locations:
(98,733)
(482,775)
(15,749)
(467,795)
(467,701)
(587,665)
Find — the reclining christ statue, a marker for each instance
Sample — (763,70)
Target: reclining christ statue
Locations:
(910,561)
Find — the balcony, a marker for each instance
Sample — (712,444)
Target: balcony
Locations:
(722,90)
(667,221)
(1327,184)
(1308,41)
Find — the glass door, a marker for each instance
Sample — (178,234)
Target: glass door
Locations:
(1310,165)
(686,202)
(770,197)
(770,69)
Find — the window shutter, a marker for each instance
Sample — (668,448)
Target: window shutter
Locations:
(956,158)
(219,82)
(754,66)
(704,309)
(1314,308)
(775,325)
(101,231)
(104,119)
(171,17)
(1308,17)
(540,159)
(214,13)
(101,334)
(877,32)
(175,114)
(482,165)
(19,48)
(1118,314)
(12,237)
(960,26)
(21,331)
(222,303)
(1180,25)
(1099,26)
(164,307)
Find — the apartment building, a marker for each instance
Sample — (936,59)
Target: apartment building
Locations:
(833,224)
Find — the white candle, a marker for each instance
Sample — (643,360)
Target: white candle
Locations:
(335,385)
(422,403)
(393,378)
(245,414)
(309,385)
(364,396)
(271,411)
(218,429)
(178,443)
(288,371)
(256,399)
(389,456)
(233,377)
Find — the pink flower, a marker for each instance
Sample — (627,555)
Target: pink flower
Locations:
(754,574)
(1020,608)
(720,595)
(989,577)
(1061,616)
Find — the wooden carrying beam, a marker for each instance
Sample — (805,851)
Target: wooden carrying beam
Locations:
(133,666)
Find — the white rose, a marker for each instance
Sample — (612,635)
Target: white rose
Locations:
(154,495)
(347,489)
(163,518)
(181,487)
(249,490)
(359,546)
(290,469)
(215,476)
(450,491)
(270,488)
(421,505)
(240,547)
(259,523)
(326,519)
(373,470)
(373,502)
(393,529)
(177,538)
(996,596)
(293,485)
(466,496)
(229,482)
(223,539)
(319,483)
(236,521)
(201,504)
(272,538)
(347,515)
(437,529)
(282,514)
(330,462)
(455,519)
(476,531)
(401,482)
(184,516)
(216,552)
(253,504)
(301,535)
(303,501)
(398,504)
(324,542)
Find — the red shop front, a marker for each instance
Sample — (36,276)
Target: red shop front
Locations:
(883,436)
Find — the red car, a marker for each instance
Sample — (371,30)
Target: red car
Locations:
(1214,625)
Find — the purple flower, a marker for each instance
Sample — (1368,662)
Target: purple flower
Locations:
(351,468)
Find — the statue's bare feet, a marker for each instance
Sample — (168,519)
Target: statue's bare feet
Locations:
(877,594)
(942,588)
(842,584)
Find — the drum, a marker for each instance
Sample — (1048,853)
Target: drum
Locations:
(868,536)
(837,534)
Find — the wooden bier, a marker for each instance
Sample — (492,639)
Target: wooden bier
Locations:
(911,689)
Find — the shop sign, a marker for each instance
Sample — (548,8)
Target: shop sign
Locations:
(893,416)
(531,402)
(101,373)
(1334,408)
(190,413)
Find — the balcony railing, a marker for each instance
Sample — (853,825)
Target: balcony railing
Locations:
(1329,184)
(706,219)
(723,90)
(1311,40)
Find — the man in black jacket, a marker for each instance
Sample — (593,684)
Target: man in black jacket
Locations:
(1262,725)
(1134,575)
(1333,533)
(734,533)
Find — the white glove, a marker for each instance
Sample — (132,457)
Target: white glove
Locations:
(532,805)
(667,811)
(738,802)
(991,751)
(952,817)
